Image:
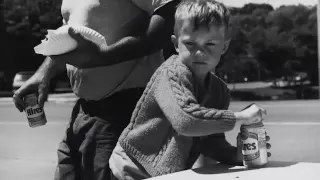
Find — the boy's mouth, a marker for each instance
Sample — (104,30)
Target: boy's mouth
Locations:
(199,63)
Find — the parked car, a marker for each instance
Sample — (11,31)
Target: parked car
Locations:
(20,78)
(57,84)
(298,78)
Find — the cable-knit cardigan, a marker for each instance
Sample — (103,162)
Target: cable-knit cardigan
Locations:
(168,116)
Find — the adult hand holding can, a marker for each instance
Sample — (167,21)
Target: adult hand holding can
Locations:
(252,143)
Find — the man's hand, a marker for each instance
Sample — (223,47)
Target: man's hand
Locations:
(239,147)
(35,84)
(87,54)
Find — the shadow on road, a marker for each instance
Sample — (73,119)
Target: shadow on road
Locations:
(221,168)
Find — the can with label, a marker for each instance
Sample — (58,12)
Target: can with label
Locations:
(254,149)
(35,113)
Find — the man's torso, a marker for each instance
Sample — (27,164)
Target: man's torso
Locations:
(114,19)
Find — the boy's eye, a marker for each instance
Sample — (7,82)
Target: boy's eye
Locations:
(189,43)
(211,44)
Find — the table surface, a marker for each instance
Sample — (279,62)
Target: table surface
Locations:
(273,171)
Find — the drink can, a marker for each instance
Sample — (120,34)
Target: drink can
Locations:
(254,147)
(35,113)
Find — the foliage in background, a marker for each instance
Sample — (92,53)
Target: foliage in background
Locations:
(267,43)
(25,24)
(270,43)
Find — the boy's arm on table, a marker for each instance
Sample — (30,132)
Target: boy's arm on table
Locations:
(218,148)
(153,38)
(174,95)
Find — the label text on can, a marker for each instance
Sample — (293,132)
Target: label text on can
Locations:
(250,149)
(34,111)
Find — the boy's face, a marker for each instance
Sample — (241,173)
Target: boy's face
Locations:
(202,48)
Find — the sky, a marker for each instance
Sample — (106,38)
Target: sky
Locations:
(274,3)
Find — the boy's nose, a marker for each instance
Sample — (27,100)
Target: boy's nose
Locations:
(200,52)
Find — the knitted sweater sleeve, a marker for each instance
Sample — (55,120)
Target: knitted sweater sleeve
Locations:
(174,95)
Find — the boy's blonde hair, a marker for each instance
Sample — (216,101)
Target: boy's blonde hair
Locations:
(202,13)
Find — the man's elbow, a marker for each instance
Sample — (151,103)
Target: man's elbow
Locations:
(153,45)
(85,65)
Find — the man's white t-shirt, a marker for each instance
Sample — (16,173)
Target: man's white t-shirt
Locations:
(114,19)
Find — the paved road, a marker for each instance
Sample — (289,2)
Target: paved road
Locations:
(30,153)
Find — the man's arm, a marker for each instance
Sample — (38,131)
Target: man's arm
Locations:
(50,68)
(218,148)
(156,35)
(39,82)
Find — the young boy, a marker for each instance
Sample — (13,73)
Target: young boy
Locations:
(183,110)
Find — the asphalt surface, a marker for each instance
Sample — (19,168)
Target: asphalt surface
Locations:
(30,153)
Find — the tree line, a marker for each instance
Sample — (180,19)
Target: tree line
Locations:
(272,43)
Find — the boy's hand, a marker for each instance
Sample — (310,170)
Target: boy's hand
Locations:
(239,148)
(251,114)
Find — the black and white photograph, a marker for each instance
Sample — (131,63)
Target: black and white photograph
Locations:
(159,89)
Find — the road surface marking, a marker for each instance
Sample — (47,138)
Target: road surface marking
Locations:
(292,123)
(26,123)
(278,105)
(265,123)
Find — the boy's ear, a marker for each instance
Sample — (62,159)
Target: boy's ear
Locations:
(174,40)
(226,45)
